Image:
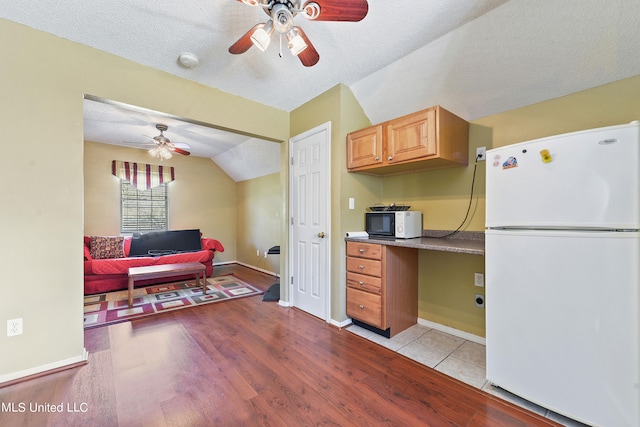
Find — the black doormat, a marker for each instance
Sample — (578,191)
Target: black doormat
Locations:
(273,293)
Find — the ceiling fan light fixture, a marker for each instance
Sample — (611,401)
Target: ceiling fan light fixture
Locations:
(261,37)
(296,42)
(161,152)
(282,18)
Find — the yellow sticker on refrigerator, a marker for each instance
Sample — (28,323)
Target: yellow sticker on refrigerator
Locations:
(546,157)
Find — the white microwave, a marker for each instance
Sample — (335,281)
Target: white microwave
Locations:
(398,224)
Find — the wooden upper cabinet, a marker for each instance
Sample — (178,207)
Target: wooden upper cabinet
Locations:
(412,137)
(364,147)
(429,139)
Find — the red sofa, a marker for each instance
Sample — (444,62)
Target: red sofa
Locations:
(106,270)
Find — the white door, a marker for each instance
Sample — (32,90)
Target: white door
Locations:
(310,206)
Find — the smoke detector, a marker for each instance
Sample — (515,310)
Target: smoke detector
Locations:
(188,60)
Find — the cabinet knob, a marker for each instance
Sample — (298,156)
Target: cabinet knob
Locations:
(361,251)
(377,158)
(361,267)
(390,158)
(361,283)
(361,306)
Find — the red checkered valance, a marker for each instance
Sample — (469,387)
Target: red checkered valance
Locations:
(141,175)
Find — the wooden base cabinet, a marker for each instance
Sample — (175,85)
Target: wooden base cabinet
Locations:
(429,139)
(382,286)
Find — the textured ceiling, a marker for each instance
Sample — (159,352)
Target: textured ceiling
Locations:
(474,57)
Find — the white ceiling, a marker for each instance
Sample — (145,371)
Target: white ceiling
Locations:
(474,57)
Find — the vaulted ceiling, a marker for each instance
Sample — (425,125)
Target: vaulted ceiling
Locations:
(474,57)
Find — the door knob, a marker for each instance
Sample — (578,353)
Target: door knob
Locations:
(321,234)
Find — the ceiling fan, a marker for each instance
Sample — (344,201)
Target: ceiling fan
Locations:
(164,148)
(281,14)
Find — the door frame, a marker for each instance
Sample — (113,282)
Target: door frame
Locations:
(325,127)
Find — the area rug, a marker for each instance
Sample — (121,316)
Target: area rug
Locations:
(113,307)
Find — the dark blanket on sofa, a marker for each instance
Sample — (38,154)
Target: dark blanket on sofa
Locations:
(157,243)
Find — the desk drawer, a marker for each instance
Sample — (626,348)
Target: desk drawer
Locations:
(365,306)
(364,250)
(369,267)
(363,282)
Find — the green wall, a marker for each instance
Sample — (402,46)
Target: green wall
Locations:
(43,82)
(259,216)
(446,287)
(43,85)
(446,281)
(202,196)
(339,106)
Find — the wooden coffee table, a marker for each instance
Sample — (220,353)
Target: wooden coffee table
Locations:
(166,270)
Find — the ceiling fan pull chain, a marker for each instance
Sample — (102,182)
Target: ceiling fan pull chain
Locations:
(280,53)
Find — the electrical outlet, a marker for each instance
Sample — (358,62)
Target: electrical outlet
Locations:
(478,279)
(481,153)
(265,254)
(257,252)
(14,327)
(479,298)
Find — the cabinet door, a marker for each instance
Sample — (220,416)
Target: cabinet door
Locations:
(364,147)
(370,267)
(364,250)
(412,137)
(365,307)
(364,282)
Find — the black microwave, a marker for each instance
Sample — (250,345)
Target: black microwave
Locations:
(398,224)
(381,224)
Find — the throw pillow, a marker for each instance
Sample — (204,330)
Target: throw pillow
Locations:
(103,247)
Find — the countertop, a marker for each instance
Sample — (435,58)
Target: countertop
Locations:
(463,242)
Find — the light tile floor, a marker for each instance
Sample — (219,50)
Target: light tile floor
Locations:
(454,356)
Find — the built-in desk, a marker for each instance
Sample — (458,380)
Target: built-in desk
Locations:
(464,242)
(382,276)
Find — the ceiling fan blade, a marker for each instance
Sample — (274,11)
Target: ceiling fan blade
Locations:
(180,151)
(244,43)
(310,56)
(340,10)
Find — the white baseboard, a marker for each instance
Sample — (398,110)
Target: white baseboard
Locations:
(342,324)
(54,366)
(253,267)
(452,331)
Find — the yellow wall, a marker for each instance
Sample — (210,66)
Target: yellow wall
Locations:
(202,196)
(42,214)
(446,292)
(339,106)
(259,208)
(42,88)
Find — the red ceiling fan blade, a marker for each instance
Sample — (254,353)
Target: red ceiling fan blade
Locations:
(310,56)
(340,10)
(244,43)
(180,151)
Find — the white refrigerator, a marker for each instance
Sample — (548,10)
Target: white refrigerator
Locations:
(563,273)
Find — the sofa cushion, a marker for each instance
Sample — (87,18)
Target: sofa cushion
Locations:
(121,266)
(103,247)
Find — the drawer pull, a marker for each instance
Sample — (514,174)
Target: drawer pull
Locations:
(361,251)
(361,267)
(361,307)
(361,283)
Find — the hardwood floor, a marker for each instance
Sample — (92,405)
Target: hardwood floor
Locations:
(248,362)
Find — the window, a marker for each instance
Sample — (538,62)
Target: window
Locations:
(143,210)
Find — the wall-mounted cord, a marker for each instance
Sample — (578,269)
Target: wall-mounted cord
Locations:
(473,182)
